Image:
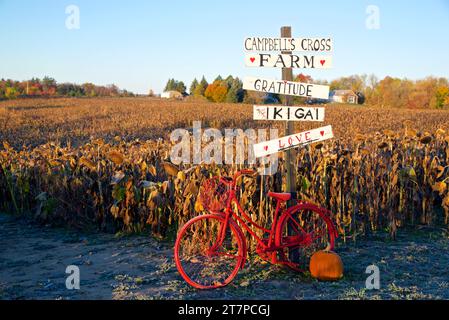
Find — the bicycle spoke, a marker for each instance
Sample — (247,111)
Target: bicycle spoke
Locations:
(203,260)
(294,225)
(303,233)
(321,235)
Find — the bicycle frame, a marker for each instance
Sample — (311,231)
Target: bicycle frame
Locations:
(246,222)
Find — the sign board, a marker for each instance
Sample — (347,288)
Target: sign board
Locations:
(286,87)
(293,141)
(288,44)
(269,60)
(288,113)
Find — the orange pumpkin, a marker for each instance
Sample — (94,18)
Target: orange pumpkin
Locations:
(326,265)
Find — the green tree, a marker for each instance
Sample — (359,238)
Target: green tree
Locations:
(193,86)
(235,92)
(174,85)
(180,87)
(229,80)
(170,85)
(201,88)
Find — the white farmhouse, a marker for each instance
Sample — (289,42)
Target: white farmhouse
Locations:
(171,95)
(344,96)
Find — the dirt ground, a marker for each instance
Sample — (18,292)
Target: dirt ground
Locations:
(33,260)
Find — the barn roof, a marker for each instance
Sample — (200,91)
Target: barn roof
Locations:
(342,92)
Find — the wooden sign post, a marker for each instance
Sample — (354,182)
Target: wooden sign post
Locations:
(287,88)
(290,158)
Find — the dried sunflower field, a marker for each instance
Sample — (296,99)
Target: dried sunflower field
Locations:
(104,164)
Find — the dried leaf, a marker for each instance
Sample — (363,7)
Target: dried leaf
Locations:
(116,157)
(170,169)
(87,163)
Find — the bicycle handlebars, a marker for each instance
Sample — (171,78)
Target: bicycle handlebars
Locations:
(233,181)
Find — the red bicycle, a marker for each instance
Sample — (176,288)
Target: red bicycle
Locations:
(211,249)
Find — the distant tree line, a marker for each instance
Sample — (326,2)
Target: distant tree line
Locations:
(174,85)
(428,93)
(220,90)
(48,87)
(230,90)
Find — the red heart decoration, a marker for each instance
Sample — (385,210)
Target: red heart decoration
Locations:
(266,148)
(252,59)
(322,62)
(322,133)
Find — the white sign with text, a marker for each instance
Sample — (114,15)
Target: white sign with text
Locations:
(268,60)
(291,88)
(293,141)
(288,44)
(288,113)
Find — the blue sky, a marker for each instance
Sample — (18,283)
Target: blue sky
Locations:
(138,45)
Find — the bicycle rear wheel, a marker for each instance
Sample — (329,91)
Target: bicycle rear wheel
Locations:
(201,260)
(301,232)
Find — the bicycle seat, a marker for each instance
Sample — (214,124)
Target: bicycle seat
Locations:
(280,196)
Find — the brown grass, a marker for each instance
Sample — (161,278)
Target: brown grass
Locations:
(34,122)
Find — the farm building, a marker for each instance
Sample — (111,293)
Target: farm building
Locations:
(171,95)
(344,96)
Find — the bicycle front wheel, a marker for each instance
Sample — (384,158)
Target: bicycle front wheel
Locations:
(202,259)
(301,232)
